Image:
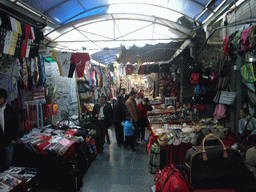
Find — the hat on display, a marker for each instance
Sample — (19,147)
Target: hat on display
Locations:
(172,137)
(193,139)
(177,141)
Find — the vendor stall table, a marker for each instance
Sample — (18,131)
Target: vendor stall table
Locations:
(175,153)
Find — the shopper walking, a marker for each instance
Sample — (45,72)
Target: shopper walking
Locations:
(128,132)
(132,111)
(143,109)
(8,130)
(124,95)
(104,115)
(119,117)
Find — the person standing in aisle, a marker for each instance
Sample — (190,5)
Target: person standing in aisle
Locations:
(8,130)
(125,96)
(143,109)
(128,132)
(132,111)
(104,115)
(138,99)
(119,117)
(141,94)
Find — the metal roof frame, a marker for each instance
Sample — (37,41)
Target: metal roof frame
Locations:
(91,20)
(110,4)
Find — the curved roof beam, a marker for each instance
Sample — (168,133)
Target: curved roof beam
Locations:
(107,5)
(160,21)
(56,6)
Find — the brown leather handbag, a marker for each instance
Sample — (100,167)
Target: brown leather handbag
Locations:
(214,166)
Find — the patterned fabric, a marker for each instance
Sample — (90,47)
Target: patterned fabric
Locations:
(248,73)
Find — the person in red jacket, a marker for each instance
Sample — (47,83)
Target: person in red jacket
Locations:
(143,109)
(141,94)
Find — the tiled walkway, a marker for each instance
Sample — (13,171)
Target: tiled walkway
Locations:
(119,170)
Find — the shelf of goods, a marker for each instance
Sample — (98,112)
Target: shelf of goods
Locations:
(177,137)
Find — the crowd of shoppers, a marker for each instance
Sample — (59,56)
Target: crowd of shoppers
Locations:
(129,116)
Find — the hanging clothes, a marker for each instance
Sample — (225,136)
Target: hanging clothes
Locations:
(24,72)
(92,69)
(79,59)
(90,79)
(64,60)
(25,47)
(6,83)
(94,77)
(35,71)
(54,57)
(129,69)
(41,70)
(141,70)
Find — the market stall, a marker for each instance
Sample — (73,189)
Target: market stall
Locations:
(53,152)
(177,137)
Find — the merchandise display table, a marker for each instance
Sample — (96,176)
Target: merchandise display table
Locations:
(56,151)
(180,139)
(174,153)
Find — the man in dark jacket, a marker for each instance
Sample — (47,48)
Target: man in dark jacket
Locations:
(125,96)
(104,116)
(119,117)
(8,129)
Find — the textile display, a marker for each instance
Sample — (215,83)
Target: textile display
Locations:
(79,59)
(248,73)
(64,59)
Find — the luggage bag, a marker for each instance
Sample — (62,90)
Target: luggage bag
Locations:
(216,167)
(154,158)
(170,180)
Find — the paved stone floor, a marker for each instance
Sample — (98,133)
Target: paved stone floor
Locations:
(119,170)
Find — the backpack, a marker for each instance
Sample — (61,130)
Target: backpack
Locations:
(154,158)
(195,77)
(244,40)
(170,180)
(151,140)
(200,90)
(225,46)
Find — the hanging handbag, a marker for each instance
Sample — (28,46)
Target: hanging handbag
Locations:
(195,77)
(217,97)
(214,166)
(227,98)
